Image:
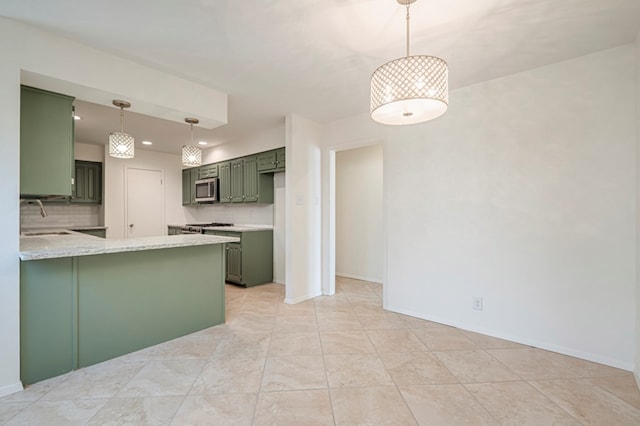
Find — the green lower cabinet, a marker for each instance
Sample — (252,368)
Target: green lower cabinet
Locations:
(234,263)
(249,262)
(78,311)
(47,321)
(156,297)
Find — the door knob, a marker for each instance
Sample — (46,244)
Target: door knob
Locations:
(131,225)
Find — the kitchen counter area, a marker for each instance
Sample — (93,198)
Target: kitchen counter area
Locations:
(85,299)
(54,243)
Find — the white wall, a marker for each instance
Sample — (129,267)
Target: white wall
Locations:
(523,194)
(262,141)
(303,211)
(359,228)
(115,188)
(89,152)
(279,228)
(32,53)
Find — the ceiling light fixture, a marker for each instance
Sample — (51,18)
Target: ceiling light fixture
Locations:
(191,155)
(409,90)
(203,143)
(120,143)
(147,143)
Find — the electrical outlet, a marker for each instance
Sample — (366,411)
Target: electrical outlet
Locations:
(477,303)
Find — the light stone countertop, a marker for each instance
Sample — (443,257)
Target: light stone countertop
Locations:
(234,228)
(77,244)
(63,228)
(238,228)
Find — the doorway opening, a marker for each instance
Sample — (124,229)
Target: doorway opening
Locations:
(357,218)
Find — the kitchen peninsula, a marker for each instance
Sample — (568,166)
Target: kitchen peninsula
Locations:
(84,299)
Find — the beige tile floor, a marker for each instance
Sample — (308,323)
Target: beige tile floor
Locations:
(334,360)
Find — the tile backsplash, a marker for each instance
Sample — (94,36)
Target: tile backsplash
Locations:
(253,214)
(60,215)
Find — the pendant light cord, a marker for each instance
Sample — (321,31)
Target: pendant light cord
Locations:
(121,119)
(191,124)
(408,29)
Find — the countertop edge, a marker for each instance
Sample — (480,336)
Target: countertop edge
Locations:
(100,246)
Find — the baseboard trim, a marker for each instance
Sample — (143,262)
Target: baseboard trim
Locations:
(301,298)
(522,340)
(359,277)
(9,389)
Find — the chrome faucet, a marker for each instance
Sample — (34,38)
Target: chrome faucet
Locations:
(43,212)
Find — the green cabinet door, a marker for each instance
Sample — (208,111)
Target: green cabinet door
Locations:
(88,183)
(186,187)
(237,181)
(234,263)
(47,319)
(46,142)
(250,261)
(208,171)
(224,182)
(189,178)
(272,161)
(250,179)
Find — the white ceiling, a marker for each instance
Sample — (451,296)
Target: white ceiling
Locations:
(315,57)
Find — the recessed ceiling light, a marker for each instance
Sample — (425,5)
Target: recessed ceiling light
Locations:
(202,143)
(76,117)
(147,143)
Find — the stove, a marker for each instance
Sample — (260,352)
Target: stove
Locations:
(196,228)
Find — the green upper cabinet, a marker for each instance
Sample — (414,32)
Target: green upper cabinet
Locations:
(272,161)
(237,181)
(189,178)
(240,180)
(247,185)
(46,142)
(224,182)
(208,171)
(249,262)
(88,183)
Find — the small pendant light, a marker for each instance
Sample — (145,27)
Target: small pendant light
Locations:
(191,155)
(120,143)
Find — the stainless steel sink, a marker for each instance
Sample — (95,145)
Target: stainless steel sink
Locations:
(45,233)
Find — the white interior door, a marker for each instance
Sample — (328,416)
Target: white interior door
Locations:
(145,212)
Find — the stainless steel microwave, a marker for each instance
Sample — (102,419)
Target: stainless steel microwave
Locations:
(207,190)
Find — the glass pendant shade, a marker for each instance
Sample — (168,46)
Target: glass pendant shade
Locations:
(121,145)
(410,90)
(191,156)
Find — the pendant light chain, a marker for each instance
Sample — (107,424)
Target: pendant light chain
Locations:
(121,119)
(408,3)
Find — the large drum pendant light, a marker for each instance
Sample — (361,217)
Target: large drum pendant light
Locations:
(410,90)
